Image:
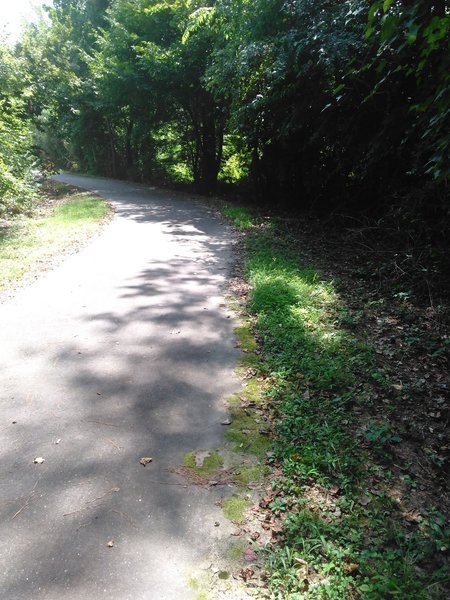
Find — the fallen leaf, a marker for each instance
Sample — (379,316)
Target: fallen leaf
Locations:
(351,568)
(39,460)
(146,460)
(250,555)
(246,574)
(276,530)
(255,535)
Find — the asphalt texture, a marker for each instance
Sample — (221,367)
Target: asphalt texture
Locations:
(124,351)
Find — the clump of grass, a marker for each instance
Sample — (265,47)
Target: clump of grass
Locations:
(312,361)
(239,216)
(79,209)
(31,243)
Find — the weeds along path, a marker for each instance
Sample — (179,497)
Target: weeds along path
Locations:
(123,352)
(357,508)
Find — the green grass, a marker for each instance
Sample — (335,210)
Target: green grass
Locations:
(31,243)
(314,366)
(240,217)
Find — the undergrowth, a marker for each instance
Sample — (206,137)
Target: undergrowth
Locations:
(343,536)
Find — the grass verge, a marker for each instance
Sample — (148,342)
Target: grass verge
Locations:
(345,534)
(29,245)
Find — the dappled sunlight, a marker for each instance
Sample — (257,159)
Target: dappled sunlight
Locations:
(131,358)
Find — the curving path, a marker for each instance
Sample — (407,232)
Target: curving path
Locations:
(122,352)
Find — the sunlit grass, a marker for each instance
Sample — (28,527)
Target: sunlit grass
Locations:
(336,543)
(31,243)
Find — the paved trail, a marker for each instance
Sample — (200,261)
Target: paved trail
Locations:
(122,352)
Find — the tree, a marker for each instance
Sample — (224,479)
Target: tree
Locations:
(16,143)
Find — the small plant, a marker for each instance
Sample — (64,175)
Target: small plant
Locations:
(239,216)
(380,434)
(337,542)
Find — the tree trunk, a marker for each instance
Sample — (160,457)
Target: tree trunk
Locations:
(112,149)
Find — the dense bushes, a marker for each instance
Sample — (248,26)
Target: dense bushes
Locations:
(16,157)
(335,105)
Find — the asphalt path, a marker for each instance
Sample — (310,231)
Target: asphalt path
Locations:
(123,351)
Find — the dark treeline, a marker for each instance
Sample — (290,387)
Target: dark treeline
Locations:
(325,103)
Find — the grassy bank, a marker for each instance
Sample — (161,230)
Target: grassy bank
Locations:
(62,222)
(348,529)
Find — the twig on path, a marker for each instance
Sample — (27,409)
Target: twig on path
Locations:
(84,525)
(100,423)
(166,483)
(119,448)
(125,516)
(26,501)
(93,502)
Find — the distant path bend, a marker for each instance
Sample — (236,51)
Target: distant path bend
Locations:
(124,351)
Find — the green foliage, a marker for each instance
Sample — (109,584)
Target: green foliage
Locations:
(17,186)
(310,103)
(239,216)
(413,50)
(340,536)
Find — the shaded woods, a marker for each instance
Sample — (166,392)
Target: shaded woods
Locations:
(342,107)
(337,111)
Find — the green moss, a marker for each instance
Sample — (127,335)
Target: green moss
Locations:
(252,442)
(243,433)
(193,582)
(246,338)
(236,550)
(252,391)
(233,401)
(246,474)
(203,463)
(249,360)
(234,509)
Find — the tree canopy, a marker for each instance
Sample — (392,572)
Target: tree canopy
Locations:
(306,103)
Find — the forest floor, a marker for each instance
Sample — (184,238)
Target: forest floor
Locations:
(353,369)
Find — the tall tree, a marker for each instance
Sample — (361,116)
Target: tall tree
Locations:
(16,142)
